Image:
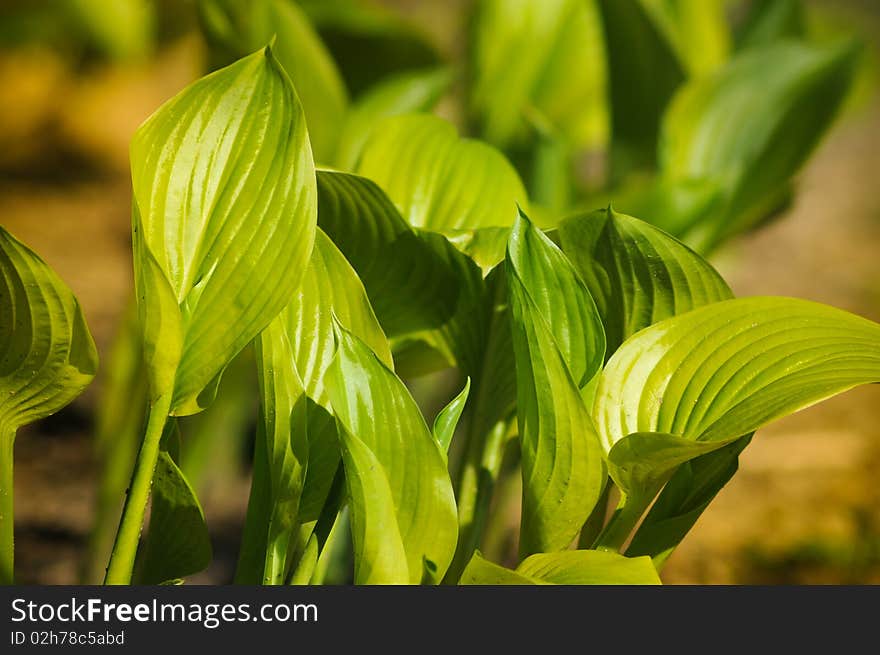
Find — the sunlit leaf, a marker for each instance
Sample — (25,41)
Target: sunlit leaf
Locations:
(238,27)
(438,180)
(388,445)
(201,259)
(637,274)
(401,94)
(700,380)
(570,567)
(447,419)
(559,346)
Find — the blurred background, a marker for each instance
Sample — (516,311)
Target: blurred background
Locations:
(76,79)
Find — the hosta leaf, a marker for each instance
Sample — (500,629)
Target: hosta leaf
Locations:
(481,571)
(47,355)
(295,466)
(178,543)
(486,246)
(589,567)
(643,73)
(404,93)
(422,288)
(438,180)
(237,28)
(637,274)
(447,419)
(224,197)
(702,379)
(696,29)
(380,417)
(558,346)
(562,78)
(682,501)
(712,133)
(570,567)
(351,28)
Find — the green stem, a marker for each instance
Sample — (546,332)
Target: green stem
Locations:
(476,486)
(7,528)
(622,523)
(127,536)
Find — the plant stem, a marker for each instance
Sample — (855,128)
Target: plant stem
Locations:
(622,523)
(125,548)
(7,526)
(476,486)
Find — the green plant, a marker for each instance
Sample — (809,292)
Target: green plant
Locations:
(599,351)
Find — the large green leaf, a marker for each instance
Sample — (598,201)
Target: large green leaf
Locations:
(558,346)
(404,93)
(224,198)
(713,135)
(237,27)
(697,381)
(390,455)
(569,567)
(294,468)
(438,180)
(683,499)
(562,77)
(47,355)
(637,274)
(422,288)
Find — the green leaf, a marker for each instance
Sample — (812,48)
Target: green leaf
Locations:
(239,137)
(771,20)
(481,571)
(381,419)
(447,419)
(637,274)
(404,93)
(178,543)
(682,501)
(437,180)
(569,567)
(120,29)
(700,380)
(47,355)
(486,245)
(351,28)
(423,290)
(696,29)
(558,346)
(237,28)
(712,135)
(589,567)
(562,78)
(643,73)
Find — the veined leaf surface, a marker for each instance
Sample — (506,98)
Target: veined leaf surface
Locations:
(224,199)
(559,346)
(388,445)
(47,355)
(439,181)
(637,274)
(700,380)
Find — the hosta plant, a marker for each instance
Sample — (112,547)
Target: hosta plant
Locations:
(592,354)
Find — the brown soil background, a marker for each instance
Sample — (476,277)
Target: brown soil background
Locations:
(804,507)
